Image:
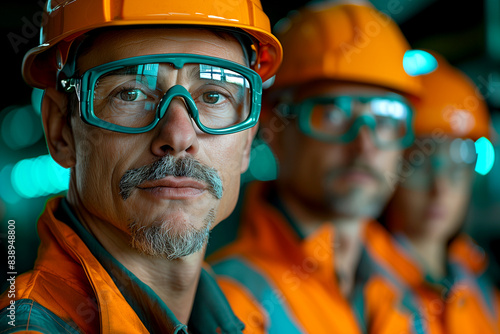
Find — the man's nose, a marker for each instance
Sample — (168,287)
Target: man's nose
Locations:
(363,142)
(177,131)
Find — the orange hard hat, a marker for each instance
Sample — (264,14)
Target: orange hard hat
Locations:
(65,20)
(450,102)
(344,42)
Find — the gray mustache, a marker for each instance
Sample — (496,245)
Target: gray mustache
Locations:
(170,166)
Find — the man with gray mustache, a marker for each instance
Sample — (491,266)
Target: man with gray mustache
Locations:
(153,105)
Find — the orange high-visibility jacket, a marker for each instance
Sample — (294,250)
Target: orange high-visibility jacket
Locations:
(396,296)
(277,282)
(76,286)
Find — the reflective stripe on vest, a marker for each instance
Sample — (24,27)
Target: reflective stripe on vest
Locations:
(264,291)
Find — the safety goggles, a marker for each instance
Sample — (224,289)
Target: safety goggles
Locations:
(452,160)
(132,95)
(339,118)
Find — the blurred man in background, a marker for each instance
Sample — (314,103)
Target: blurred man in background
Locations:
(337,118)
(431,278)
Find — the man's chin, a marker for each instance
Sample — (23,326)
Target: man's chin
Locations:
(358,203)
(169,243)
(172,238)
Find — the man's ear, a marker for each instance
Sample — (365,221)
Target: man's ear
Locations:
(58,133)
(247,148)
(267,59)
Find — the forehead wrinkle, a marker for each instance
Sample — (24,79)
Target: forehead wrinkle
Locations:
(215,48)
(115,45)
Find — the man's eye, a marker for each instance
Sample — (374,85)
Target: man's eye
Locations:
(335,116)
(132,95)
(211,97)
(386,122)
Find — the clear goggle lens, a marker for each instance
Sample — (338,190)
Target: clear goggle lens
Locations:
(452,160)
(339,118)
(131,95)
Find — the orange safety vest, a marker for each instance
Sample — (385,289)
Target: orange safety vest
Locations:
(71,291)
(275,281)
(395,295)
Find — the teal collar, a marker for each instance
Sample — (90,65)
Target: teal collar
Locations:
(211,312)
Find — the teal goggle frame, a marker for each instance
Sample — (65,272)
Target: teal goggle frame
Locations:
(86,84)
(304,110)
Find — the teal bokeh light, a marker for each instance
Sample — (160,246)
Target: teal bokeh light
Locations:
(21,127)
(262,166)
(7,193)
(60,179)
(39,173)
(485,156)
(418,62)
(38,177)
(21,179)
(36,99)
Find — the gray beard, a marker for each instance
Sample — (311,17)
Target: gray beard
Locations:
(354,202)
(357,205)
(160,239)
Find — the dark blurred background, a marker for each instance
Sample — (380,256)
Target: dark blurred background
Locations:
(467,33)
